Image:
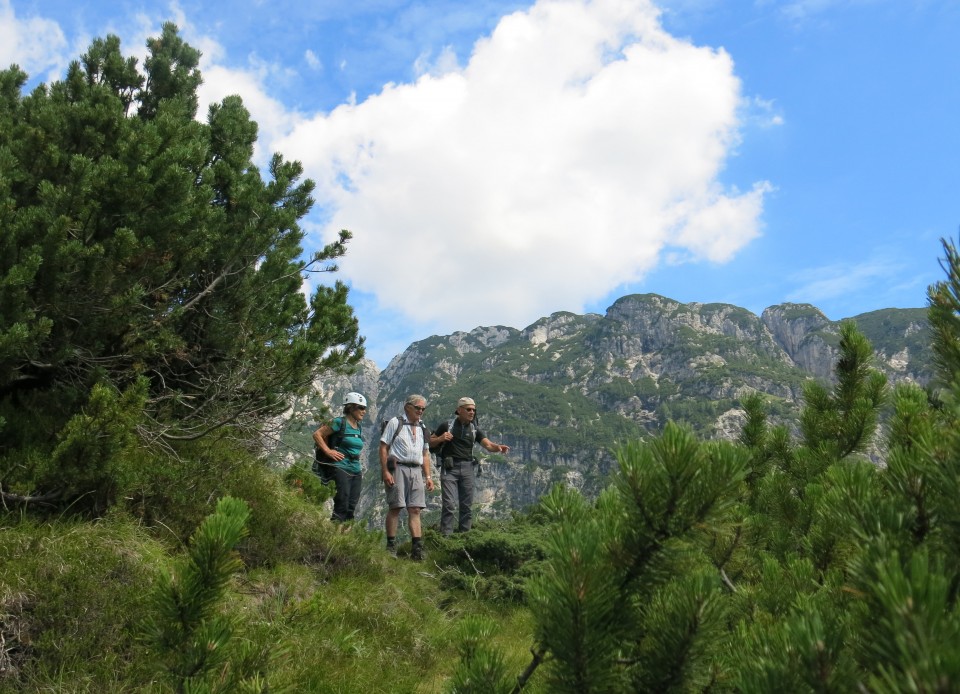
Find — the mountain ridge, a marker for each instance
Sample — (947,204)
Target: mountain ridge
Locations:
(565,390)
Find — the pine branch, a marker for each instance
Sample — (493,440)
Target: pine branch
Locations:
(539,654)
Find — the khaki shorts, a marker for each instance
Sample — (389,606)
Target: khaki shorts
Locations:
(408,490)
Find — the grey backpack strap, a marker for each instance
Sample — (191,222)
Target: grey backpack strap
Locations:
(396,433)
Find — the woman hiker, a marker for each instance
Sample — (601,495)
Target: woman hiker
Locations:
(338,447)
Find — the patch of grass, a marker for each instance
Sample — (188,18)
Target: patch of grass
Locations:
(71,595)
(322,606)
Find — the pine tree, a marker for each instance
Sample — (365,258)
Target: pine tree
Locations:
(192,640)
(785,562)
(482,669)
(627,603)
(140,245)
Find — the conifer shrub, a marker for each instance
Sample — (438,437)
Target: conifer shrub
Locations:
(787,561)
(190,637)
(482,665)
(149,278)
(494,560)
(90,463)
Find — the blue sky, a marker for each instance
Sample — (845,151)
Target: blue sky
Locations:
(498,161)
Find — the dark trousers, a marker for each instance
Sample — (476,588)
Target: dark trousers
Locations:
(348,494)
(456,488)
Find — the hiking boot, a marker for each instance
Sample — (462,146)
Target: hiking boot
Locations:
(417,553)
(392,551)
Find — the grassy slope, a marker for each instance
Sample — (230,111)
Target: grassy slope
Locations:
(335,615)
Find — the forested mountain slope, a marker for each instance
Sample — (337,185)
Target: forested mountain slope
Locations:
(564,391)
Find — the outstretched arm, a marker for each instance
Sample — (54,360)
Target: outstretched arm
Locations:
(494,447)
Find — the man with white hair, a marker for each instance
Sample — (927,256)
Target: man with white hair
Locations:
(456,439)
(405,467)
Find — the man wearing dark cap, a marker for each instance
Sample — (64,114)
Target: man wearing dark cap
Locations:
(457,438)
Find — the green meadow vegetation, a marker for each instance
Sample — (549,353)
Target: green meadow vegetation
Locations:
(111,605)
(152,331)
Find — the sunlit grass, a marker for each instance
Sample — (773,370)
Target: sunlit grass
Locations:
(344,617)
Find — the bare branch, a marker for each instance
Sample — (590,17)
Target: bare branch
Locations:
(24,499)
(727,582)
(208,289)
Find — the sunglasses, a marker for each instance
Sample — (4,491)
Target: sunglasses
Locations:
(418,408)
(470,409)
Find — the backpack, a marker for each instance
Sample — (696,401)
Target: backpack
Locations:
(335,439)
(473,433)
(383,428)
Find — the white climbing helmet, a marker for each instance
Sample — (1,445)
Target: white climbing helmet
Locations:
(354,399)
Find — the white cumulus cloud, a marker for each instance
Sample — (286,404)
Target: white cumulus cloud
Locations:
(577,146)
(36,44)
(576,149)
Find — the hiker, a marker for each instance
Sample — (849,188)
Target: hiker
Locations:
(338,447)
(454,442)
(405,466)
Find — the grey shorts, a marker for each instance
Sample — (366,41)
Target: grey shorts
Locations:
(408,490)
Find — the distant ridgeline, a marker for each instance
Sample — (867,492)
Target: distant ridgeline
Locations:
(565,390)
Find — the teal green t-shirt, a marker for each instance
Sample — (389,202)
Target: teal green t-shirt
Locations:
(350,445)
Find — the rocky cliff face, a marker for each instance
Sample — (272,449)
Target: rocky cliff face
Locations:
(293,445)
(566,390)
(805,334)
